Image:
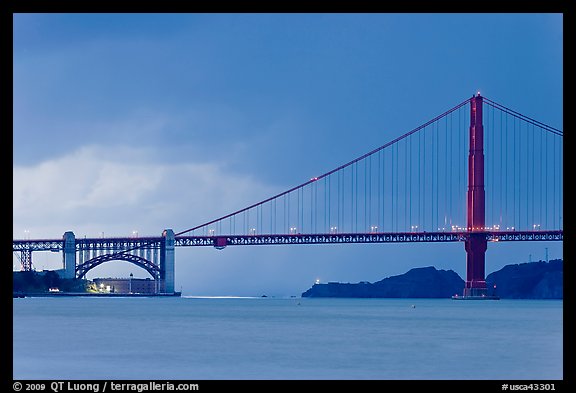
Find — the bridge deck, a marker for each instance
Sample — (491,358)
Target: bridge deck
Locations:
(336,238)
(120,243)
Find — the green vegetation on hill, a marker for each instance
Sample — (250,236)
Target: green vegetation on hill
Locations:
(34,282)
(533,280)
(424,282)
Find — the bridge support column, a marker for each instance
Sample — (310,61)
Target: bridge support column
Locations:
(167,258)
(475,284)
(476,245)
(26,260)
(69,256)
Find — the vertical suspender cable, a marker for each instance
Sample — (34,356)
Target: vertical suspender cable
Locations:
(419,179)
(365,226)
(369,176)
(432,171)
(461,151)
(384,204)
(379,194)
(406,180)
(393,199)
(330,200)
(507,168)
(353,198)
(338,204)
(501,157)
(424,178)
(341,199)
(521,150)
(356,192)
(312,207)
(289,196)
(554,155)
(451,166)
(435,172)
(516,178)
(397,185)
(546,179)
(541,185)
(533,159)
(530,191)
(445,171)
(410,182)
(303,204)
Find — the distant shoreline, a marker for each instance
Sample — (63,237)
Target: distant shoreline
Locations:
(87,294)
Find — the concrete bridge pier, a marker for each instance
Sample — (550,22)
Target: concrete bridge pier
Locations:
(167,261)
(69,255)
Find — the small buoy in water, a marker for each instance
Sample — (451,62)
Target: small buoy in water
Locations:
(298,303)
(413,306)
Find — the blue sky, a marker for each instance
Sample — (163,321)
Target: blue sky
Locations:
(141,122)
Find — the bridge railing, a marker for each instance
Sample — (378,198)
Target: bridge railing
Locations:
(393,237)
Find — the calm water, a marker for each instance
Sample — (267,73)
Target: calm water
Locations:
(214,338)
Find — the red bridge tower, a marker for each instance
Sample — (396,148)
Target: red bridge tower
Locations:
(476,244)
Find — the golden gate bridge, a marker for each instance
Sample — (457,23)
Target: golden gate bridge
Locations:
(478,173)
